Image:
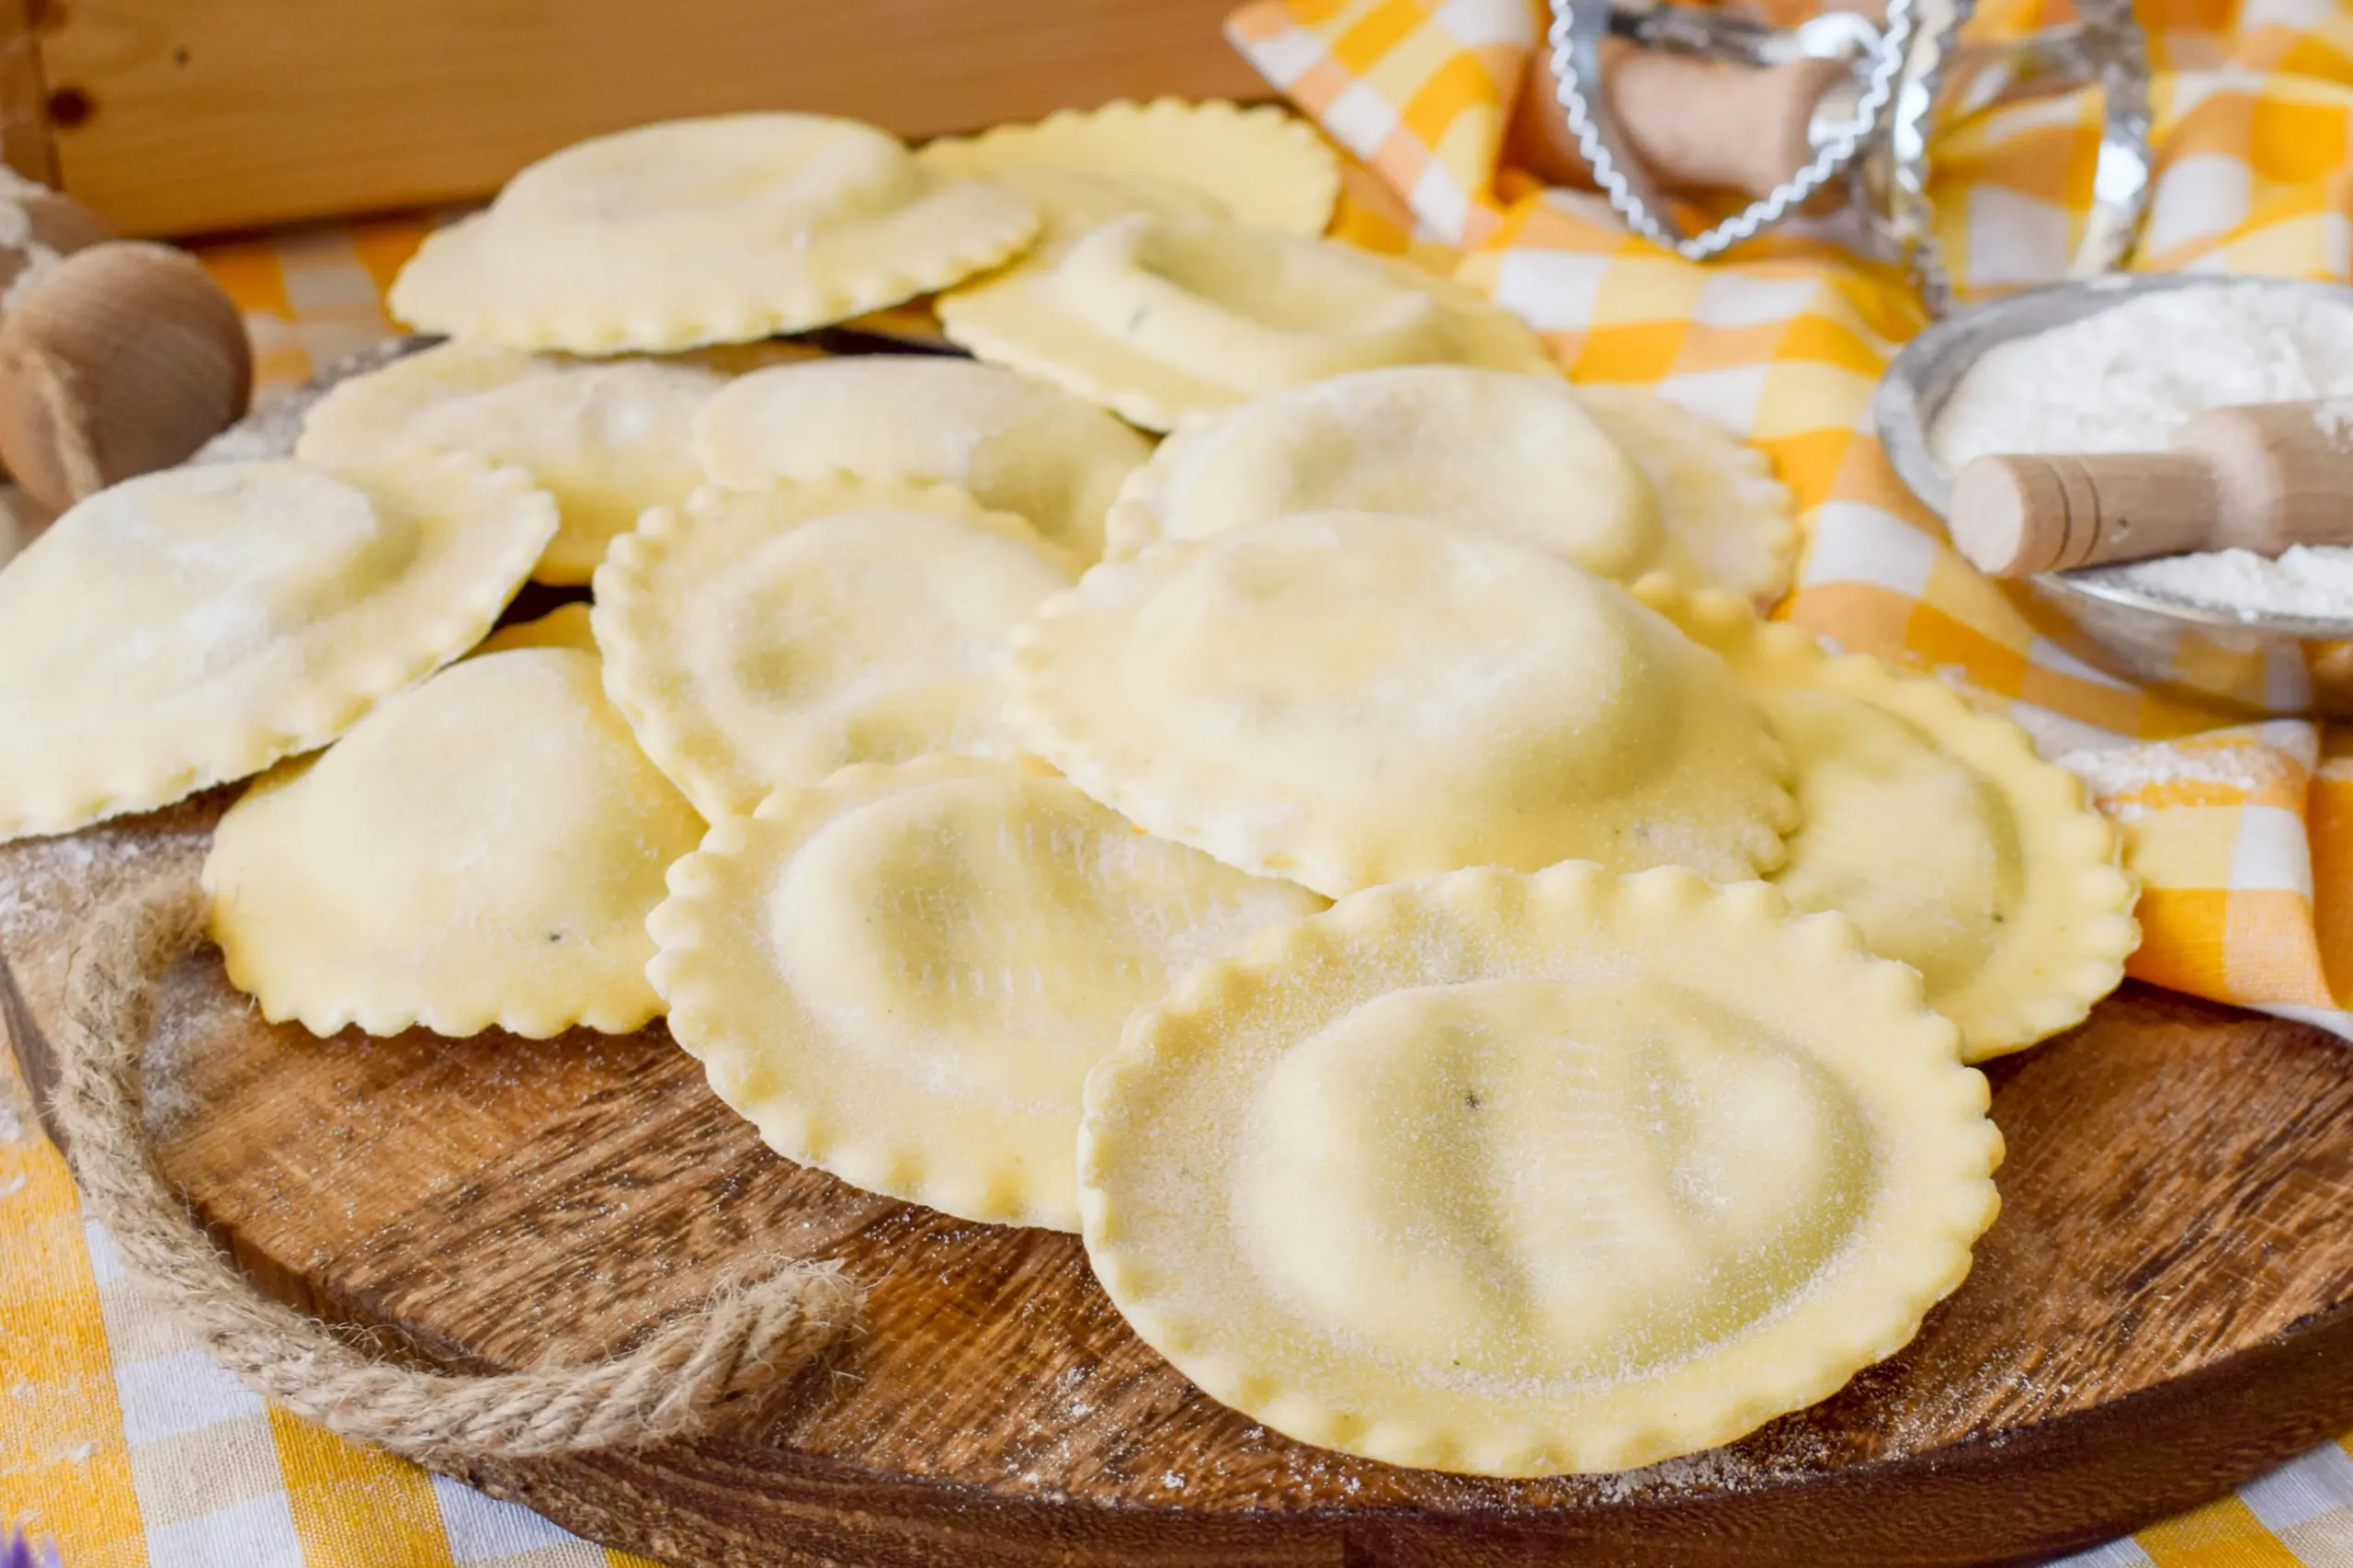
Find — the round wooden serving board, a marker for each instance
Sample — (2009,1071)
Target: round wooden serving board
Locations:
(2164,1308)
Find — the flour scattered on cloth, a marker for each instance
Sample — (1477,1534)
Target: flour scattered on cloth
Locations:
(2115,775)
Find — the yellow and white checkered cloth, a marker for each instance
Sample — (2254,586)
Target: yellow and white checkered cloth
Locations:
(120,1443)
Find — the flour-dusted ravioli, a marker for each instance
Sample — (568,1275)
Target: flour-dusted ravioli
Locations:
(1510,454)
(1937,830)
(1523,1174)
(193,626)
(478,852)
(608,441)
(1347,698)
(1019,444)
(1170,158)
(722,229)
(1157,318)
(903,976)
(763,638)
(1733,522)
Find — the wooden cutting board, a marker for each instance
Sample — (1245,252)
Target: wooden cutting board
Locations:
(2164,1308)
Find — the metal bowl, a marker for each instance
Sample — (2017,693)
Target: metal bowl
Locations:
(2266,665)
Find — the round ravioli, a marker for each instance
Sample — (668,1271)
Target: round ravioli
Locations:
(1158,318)
(1019,444)
(1073,203)
(606,440)
(1937,830)
(1523,1174)
(722,229)
(759,639)
(1732,524)
(1509,454)
(1169,158)
(1347,698)
(478,852)
(193,626)
(903,977)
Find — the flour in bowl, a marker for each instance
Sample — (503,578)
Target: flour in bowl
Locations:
(2306,582)
(2119,380)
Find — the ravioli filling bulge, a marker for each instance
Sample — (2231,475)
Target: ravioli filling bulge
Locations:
(1520,1178)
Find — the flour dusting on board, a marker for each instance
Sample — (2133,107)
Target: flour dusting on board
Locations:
(39,886)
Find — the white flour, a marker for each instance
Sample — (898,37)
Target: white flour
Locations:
(2311,581)
(2120,380)
(2114,775)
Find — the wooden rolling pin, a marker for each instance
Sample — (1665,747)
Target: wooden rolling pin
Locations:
(2259,478)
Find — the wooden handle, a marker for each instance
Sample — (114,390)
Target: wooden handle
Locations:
(2286,469)
(2014,517)
(1704,125)
(1695,124)
(2261,478)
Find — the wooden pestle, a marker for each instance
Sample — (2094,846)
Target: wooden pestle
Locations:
(1695,124)
(2262,478)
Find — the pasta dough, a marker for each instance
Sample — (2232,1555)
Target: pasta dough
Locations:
(759,639)
(723,230)
(193,626)
(1619,481)
(1726,512)
(1169,158)
(478,852)
(1951,845)
(1156,319)
(1515,454)
(1347,699)
(606,440)
(902,977)
(1019,445)
(1521,1174)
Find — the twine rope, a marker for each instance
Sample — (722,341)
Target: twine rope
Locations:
(745,1340)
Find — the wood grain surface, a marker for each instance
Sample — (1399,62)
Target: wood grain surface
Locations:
(174,117)
(2164,1308)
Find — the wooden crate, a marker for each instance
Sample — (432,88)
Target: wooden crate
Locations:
(183,117)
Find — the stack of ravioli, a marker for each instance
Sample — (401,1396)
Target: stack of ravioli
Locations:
(1487,999)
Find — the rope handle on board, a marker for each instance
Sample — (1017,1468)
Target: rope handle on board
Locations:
(746,1339)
